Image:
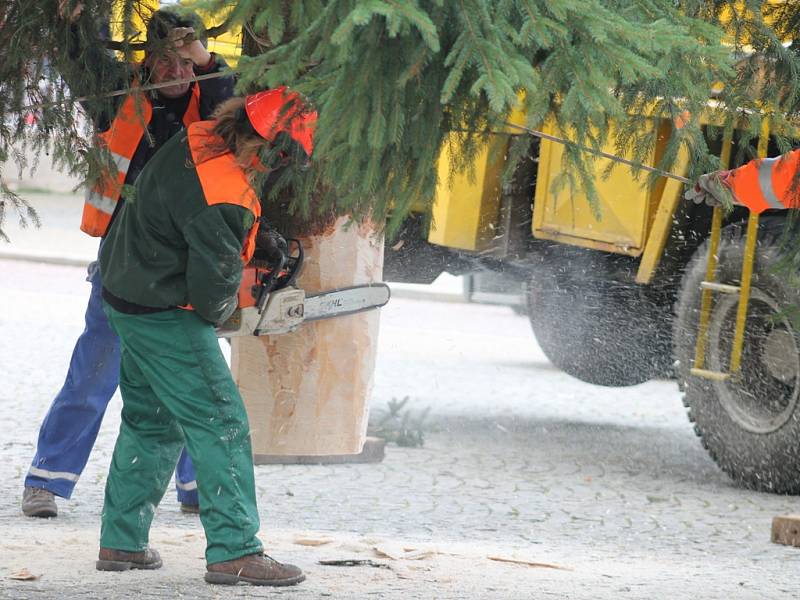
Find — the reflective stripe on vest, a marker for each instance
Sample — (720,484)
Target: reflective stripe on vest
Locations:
(767,183)
(222,179)
(122,139)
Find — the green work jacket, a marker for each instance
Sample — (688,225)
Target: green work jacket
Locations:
(169,248)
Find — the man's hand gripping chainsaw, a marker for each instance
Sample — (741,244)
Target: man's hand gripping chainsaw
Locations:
(270,301)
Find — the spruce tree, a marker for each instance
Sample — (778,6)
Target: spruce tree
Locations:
(395,81)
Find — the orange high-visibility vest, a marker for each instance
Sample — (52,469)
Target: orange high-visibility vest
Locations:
(122,139)
(767,183)
(222,179)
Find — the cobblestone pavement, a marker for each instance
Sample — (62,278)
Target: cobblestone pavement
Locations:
(520,462)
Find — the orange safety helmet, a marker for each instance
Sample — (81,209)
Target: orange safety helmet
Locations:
(280,111)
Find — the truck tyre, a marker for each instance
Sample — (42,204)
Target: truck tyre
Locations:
(750,424)
(592,322)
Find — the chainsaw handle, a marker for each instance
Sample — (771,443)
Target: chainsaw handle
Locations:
(282,274)
(266,281)
(297,262)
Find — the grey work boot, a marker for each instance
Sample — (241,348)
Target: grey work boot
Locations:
(256,569)
(38,502)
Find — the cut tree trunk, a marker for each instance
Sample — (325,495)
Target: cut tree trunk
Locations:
(307,392)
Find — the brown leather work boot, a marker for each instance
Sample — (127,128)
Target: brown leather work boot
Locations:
(120,560)
(190,509)
(256,569)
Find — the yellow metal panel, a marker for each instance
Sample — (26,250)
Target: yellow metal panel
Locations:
(751,242)
(670,199)
(466,209)
(624,204)
(229,44)
(142,12)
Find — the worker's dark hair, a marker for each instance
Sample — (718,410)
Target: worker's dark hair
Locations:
(258,157)
(164,20)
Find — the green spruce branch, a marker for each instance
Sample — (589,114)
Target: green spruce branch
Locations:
(400,426)
(393,80)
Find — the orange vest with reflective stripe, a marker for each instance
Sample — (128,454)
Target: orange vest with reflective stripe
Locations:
(222,179)
(122,139)
(767,183)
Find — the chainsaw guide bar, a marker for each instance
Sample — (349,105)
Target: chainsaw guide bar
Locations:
(287,308)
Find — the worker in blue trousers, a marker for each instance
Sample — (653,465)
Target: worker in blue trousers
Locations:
(133,129)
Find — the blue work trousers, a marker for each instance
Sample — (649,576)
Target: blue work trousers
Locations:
(70,428)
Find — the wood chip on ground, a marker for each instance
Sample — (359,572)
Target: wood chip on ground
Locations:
(529,563)
(24,575)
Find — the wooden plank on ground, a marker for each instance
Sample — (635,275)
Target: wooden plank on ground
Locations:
(786,530)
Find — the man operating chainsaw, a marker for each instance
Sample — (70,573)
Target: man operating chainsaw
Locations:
(133,128)
(172,265)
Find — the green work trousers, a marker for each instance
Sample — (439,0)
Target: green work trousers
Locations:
(177,389)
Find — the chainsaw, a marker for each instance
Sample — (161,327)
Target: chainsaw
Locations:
(270,302)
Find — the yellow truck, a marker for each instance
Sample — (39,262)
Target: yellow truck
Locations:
(642,285)
(645,285)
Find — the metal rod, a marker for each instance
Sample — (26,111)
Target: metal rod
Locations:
(722,288)
(747,266)
(711,265)
(712,375)
(142,88)
(706,298)
(528,130)
(614,157)
(744,295)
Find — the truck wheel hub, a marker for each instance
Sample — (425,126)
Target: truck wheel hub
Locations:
(779,355)
(764,394)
